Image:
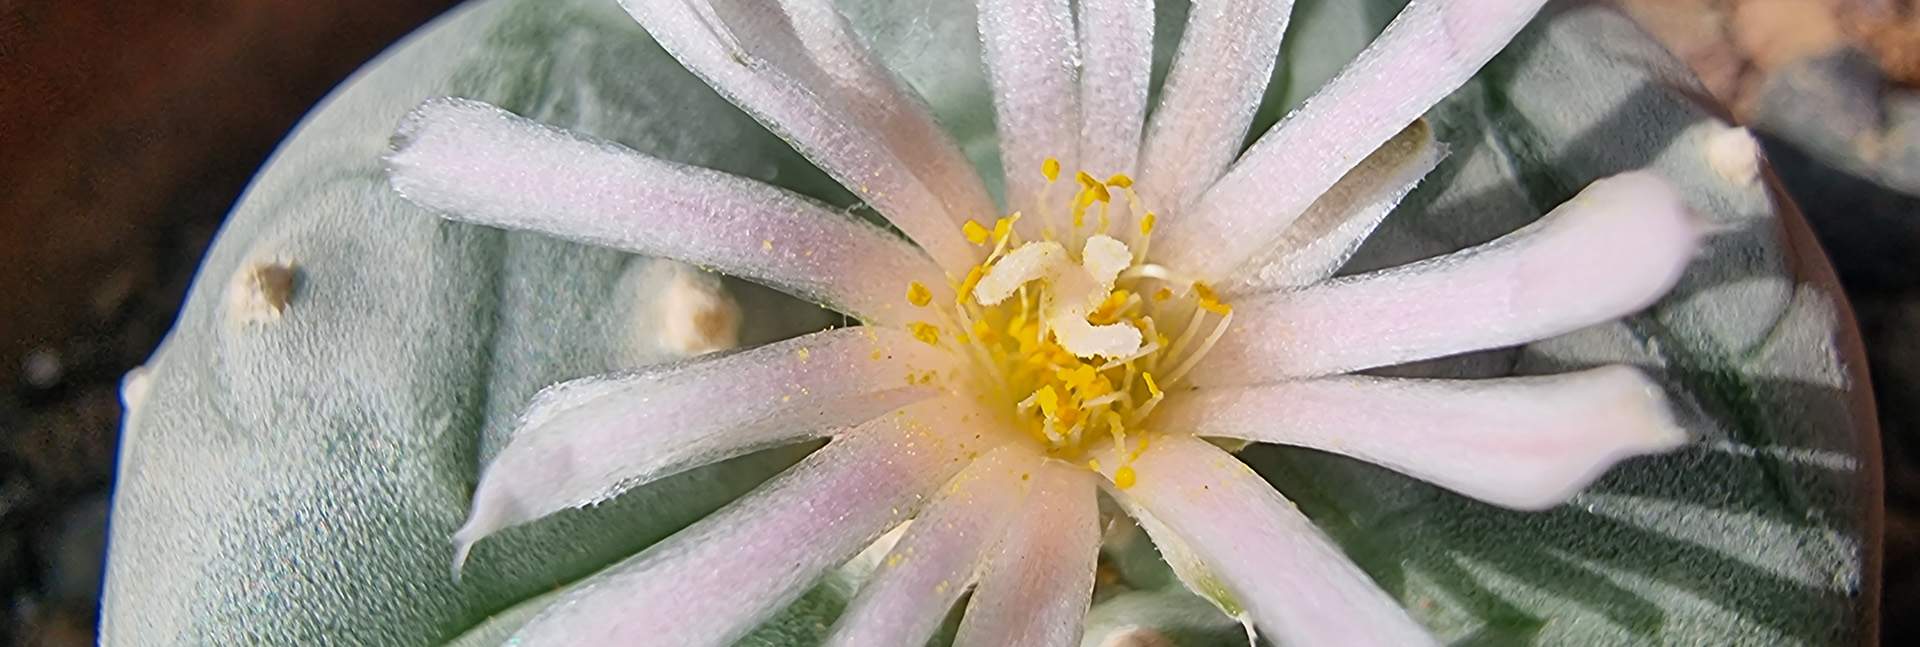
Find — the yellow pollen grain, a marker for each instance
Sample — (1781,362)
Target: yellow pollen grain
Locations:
(918,294)
(766,245)
(1124,477)
(1051,169)
(975,232)
(1093,464)
(1163,294)
(925,332)
(803,353)
(1146,223)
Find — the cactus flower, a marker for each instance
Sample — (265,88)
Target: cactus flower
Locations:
(1146,296)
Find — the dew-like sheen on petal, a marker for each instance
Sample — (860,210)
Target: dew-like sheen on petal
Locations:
(1610,251)
(715,581)
(584,441)
(1524,442)
(476,163)
(1426,53)
(1269,560)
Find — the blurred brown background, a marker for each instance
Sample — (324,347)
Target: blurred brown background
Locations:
(128,129)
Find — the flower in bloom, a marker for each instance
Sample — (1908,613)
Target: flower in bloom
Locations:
(1146,289)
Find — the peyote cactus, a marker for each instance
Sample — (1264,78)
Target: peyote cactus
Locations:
(300,451)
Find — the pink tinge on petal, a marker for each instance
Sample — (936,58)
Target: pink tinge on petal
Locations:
(1262,558)
(1609,252)
(479,164)
(1219,73)
(1031,51)
(585,441)
(1332,230)
(1426,53)
(718,579)
(916,584)
(798,67)
(1036,590)
(1116,43)
(1525,442)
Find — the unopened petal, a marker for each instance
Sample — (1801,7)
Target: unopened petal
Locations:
(1219,73)
(1609,252)
(916,584)
(1031,51)
(476,163)
(713,582)
(1266,562)
(584,441)
(1329,233)
(798,67)
(1426,53)
(1116,42)
(1037,589)
(1526,442)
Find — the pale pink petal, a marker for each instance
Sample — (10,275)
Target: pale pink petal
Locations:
(798,67)
(1036,591)
(1031,50)
(585,441)
(1116,42)
(477,163)
(914,587)
(1250,550)
(1525,442)
(718,579)
(1608,252)
(1329,233)
(1426,53)
(1219,74)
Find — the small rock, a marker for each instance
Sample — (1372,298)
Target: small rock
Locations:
(260,292)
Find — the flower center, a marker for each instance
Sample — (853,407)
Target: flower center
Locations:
(1074,334)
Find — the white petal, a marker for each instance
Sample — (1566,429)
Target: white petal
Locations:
(1427,52)
(1031,52)
(1526,442)
(585,441)
(914,587)
(715,581)
(1219,74)
(1266,562)
(1036,591)
(798,67)
(1608,252)
(1116,38)
(477,163)
(1329,233)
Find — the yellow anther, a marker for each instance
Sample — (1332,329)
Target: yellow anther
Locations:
(1051,169)
(1152,388)
(1003,228)
(1120,180)
(975,233)
(1109,310)
(985,333)
(973,279)
(1124,477)
(925,332)
(918,294)
(1210,301)
(1086,180)
(1093,464)
(1048,399)
(1146,223)
(1163,294)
